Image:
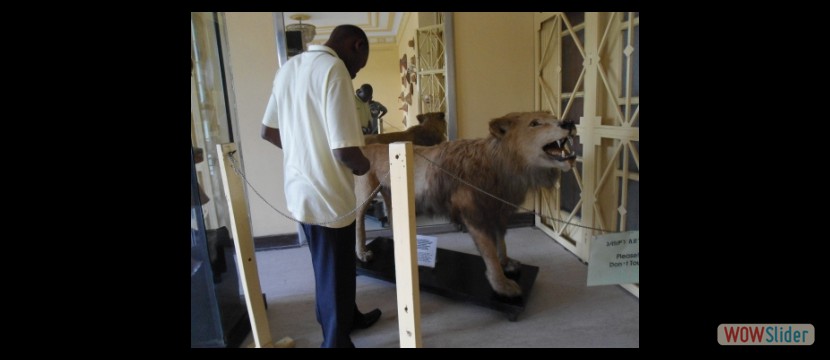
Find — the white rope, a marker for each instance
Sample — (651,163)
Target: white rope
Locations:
(365,202)
(239,172)
(505,201)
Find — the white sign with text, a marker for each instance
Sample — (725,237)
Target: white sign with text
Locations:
(615,259)
(427,248)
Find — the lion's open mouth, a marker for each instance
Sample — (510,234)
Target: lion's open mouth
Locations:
(558,151)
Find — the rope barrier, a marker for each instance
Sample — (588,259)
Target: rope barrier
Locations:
(365,202)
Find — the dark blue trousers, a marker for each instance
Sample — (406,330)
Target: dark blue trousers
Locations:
(332,255)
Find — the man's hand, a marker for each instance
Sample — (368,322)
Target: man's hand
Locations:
(353,158)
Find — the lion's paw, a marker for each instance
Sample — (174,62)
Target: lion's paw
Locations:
(508,288)
(365,256)
(512,266)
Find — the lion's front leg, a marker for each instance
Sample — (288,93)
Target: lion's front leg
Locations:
(486,243)
(511,266)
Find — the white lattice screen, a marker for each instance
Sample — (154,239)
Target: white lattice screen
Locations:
(588,72)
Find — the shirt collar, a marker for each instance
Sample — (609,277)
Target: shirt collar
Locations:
(322,48)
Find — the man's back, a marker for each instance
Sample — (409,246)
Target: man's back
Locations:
(313,106)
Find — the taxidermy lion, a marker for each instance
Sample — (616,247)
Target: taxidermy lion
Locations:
(524,152)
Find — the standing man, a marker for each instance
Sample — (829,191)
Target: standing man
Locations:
(363,112)
(311,116)
(376,109)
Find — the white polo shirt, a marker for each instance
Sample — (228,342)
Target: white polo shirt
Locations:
(313,104)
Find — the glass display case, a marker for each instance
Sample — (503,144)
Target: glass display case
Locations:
(218,317)
(205,323)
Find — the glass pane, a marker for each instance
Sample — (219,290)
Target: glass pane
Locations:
(576,146)
(636,15)
(632,221)
(574,114)
(570,190)
(637,120)
(632,165)
(205,322)
(575,18)
(212,125)
(635,61)
(631,111)
(576,110)
(218,314)
(571,61)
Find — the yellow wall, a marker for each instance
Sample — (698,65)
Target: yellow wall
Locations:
(494,68)
(253,61)
(405,34)
(381,72)
(494,76)
(253,65)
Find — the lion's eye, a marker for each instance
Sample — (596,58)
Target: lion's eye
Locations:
(535,123)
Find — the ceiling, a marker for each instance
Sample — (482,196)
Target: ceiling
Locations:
(380,27)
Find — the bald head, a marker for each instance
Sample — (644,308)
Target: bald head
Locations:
(365,92)
(345,32)
(351,45)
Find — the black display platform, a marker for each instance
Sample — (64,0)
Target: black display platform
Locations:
(456,275)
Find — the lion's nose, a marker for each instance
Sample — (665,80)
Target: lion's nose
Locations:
(567,125)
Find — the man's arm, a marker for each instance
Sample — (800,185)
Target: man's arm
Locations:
(272,135)
(353,158)
(382,110)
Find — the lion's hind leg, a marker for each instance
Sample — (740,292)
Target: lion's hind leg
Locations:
(364,189)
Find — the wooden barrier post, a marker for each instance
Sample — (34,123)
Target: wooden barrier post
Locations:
(401,174)
(245,253)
